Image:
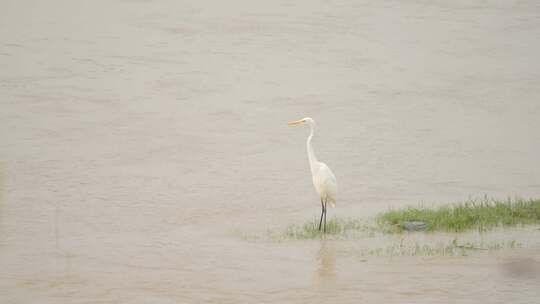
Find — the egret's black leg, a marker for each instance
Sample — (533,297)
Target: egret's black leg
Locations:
(325,214)
(322,212)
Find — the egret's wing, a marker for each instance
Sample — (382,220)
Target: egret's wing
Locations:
(327,183)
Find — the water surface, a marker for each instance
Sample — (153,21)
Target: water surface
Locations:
(142,141)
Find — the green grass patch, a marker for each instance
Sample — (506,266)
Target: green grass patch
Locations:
(440,248)
(335,227)
(473,214)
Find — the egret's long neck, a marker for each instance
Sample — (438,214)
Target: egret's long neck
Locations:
(311,155)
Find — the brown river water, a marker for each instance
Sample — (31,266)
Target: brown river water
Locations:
(145,155)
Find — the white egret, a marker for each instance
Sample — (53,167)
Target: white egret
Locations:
(323,179)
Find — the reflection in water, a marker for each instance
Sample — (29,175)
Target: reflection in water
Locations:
(522,268)
(327,261)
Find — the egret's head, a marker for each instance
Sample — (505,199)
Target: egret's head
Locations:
(307,120)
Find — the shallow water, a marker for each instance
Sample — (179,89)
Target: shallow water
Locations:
(142,141)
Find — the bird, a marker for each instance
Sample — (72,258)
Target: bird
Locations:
(323,178)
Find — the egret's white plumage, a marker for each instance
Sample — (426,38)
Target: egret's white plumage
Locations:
(323,179)
(325,184)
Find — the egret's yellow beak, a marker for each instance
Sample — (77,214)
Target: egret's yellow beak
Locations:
(296,122)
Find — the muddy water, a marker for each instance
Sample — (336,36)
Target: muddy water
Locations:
(140,142)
